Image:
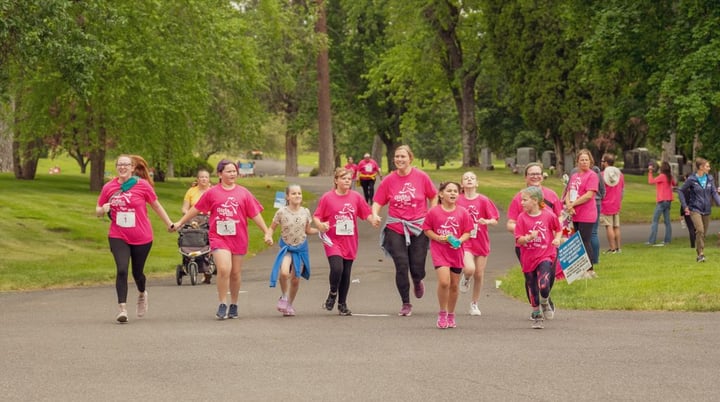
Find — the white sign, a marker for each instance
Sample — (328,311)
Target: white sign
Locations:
(279,199)
(573,258)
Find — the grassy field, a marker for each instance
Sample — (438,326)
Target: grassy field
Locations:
(51,238)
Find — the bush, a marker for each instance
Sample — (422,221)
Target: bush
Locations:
(188,167)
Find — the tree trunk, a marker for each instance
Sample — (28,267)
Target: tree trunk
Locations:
(468,122)
(291,156)
(6,147)
(97,162)
(327,159)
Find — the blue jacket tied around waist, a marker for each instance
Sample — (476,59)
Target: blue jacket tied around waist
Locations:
(300,260)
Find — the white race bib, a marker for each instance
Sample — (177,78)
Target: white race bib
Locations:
(125,219)
(345,227)
(226,228)
(368,168)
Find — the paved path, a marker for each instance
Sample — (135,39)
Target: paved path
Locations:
(64,345)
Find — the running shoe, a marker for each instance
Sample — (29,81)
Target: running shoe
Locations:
(142,304)
(464,283)
(451,320)
(122,316)
(343,309)
(330,301)
(406,310)
(700,258)
(548,310)
(289,311)
(474,309)
(222,311)
(442,320)
(419,289)
(233,313)
(537,318)
(282,304)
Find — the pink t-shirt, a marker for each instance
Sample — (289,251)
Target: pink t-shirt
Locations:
(479,207)
(515,208)
(353,168)
(128,210)
(229,213)
(612,201)
(456,222)
(579,184)
(541,248)
(367,169)
(406,196)
(342,211)
(663,187)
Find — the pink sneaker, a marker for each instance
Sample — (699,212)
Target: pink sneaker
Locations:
(282,305)
(419,289)
(406,310)
(451,320)
(289,311)
(442,321)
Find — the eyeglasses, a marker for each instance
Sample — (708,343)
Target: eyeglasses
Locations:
(535,174)
(603,161)
(123,164)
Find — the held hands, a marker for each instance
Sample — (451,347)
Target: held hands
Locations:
(174,227)
(324,227)
(268,238)
(375,220)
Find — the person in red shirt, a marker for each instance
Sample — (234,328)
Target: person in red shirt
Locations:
(353,167)
(368,170)
(664,184)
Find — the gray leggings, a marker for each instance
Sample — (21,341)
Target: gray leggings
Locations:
(123,253)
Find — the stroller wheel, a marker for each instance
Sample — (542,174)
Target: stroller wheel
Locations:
(178,274)
(193,272)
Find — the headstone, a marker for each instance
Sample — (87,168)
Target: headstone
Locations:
(675,169)
(636,161)
(548,159)
(525,155)
(569,159)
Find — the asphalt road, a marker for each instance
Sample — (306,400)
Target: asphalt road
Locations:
(64,345)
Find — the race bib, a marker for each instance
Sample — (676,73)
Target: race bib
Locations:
(368,168)
(345,227)
(226,228)
(125,219)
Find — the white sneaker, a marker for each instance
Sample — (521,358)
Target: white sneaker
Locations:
(142,304)
(474,310)
(464,283)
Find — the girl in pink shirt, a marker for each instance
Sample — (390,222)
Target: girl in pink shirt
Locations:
(124,199)
(336,218)
(483,213)
(664,184)
(447,226)
(537,233)
(230,206)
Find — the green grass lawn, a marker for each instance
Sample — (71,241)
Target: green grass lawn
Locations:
(52,239)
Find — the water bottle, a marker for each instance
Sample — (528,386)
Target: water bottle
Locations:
(454,241)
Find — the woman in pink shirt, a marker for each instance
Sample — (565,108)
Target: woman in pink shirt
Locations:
(579,200)
(336,218)
(124,199)
(664,184)
(230,206)
(407,191)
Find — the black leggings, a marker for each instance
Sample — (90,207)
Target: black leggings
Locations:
(368,189)
(408,259)
(123,252)
(340,272)
(539,282)
(586,229)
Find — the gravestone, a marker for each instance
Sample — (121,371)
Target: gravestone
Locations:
(569,159)
(548,159)
(524,156)
(636,161)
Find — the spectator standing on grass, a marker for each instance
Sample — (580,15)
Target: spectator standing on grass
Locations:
(406,191)
(367,171)
(336,218)
(448,226)
(696,197)
(293,260)
(477,249)
(124,199)
(230,206)
(664,184)
(611,203)
(579,201)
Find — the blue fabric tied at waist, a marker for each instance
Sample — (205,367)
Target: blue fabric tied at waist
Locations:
(300,255)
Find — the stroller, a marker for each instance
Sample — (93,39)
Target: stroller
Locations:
(194,245)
